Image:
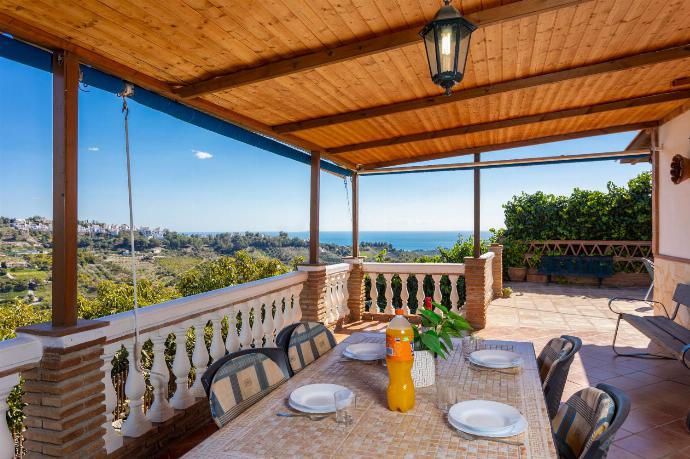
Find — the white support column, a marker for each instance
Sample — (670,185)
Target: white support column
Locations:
(389,294)
(374,293)
(232,342)
(199,359)
(454,296)
(437,287)
(160,409)
(245,327)
(136,423)
(269,323)
(182,398)
(7,383)
(279,318)
(257,327)
(296,312)
(404,293)
(113,440)
(420,292)
(217,349)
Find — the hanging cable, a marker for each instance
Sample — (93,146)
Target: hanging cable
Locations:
(347,197)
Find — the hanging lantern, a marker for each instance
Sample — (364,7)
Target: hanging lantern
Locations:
(447,42)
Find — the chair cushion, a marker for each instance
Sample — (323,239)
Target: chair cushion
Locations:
(308,342)
(581,420)
(554,350)
(240,383)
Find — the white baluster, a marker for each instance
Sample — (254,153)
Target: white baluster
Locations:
(245,327)
(113,440)
(437,287)
(279,318)
(199,359)
(374,293)
(182,398)
(257,326)
(136,423)
(296,308)
(454,297)
(335,306)
(269,323)
(217,349)
(345,294)
(232,342)
(420,292)
(404,293)
(389,294)
(7,383)
(160,409)
(330,316)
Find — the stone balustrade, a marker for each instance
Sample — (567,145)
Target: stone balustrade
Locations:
(337,292)
(16,356)
(425,274)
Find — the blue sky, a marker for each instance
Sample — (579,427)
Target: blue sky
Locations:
(189,179)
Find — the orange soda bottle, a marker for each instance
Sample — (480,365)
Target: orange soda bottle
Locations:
(399,357)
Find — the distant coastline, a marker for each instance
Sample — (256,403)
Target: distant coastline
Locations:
(401,240)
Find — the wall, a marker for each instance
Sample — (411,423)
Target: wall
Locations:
(672,263)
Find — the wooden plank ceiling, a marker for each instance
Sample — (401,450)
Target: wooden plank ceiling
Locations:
(350,78)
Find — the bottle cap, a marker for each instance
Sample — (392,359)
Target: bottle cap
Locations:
(399,312)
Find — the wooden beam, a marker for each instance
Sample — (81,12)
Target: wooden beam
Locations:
(355,215)
(477,208)
(314,208)
(509,145)
(33,35)
(681,81)
(65,145)
(519,121)
(509,162)
(613,65)
(361,48)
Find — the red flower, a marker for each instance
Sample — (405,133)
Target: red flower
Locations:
(427,303)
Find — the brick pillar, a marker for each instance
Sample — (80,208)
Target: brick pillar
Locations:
(478,291)
(313,296)
(355,287)
(65,392)
(497,269)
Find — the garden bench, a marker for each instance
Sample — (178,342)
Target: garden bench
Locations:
(662,330)
(581,266)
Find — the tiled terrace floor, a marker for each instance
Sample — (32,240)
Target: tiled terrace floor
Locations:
(659,389)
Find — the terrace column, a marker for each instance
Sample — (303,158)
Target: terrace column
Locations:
(314,208)
(477,209)
(355,288)
(65,101)
(497,269)
(478,289)
(355,215)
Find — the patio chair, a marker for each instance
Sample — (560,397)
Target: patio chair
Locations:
(304,342)
(649,264)
(554,364)
(586,424)
(238,380)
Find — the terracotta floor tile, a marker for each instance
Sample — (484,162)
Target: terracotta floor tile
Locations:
(645,418)
(616,452)
(649,448)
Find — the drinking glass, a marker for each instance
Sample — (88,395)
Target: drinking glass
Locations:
(471,344)
(345,404)
(446,394)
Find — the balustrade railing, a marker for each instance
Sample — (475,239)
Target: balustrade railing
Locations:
(405,285)
(16,355)
(336,292)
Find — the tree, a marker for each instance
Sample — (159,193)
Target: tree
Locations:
(113,297)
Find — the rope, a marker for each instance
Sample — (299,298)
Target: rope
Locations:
(347,197)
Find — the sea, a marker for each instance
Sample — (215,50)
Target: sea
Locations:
(402,240)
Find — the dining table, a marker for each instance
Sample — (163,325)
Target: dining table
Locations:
(423,432)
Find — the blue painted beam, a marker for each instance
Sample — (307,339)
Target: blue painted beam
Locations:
(27,54)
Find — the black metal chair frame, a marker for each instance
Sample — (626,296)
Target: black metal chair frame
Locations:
(554,389)
(646,355)
(599,447)
(275,354)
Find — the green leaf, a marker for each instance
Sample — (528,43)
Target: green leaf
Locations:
(434,318)
(445,337)
(440,306)
(432,343)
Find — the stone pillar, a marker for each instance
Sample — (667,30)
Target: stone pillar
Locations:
(497,269)
(65,392)
(478,289)
(355,287)
(312,299)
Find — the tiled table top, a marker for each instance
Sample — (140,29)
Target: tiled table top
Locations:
(378,432)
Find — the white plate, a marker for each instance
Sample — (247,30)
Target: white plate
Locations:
(365,351)
(316,398)
(496,358)
(484,416)
(517,429)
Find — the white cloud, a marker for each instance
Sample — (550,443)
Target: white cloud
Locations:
(93,148)
(202,154)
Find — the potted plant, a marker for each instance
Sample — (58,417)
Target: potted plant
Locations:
(515,259)
(433,339)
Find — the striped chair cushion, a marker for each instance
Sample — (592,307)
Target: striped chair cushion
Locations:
(554,350)
(581,420)
(308,342)
(240,383)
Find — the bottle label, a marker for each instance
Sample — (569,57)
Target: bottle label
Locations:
(399,349)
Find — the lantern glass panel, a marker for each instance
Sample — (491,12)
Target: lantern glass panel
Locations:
(430,45)
(447,42)
(464,49)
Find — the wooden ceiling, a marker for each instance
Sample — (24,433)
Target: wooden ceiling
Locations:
(349,77)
